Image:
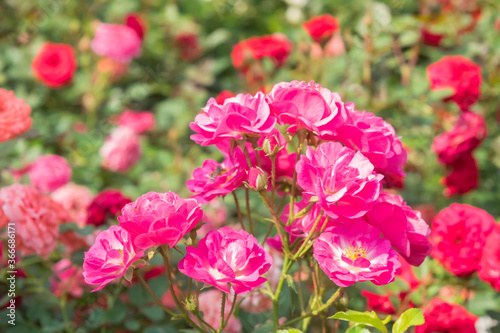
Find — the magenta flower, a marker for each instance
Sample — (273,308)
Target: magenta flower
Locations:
(227,258)
(402,226)
(238,116)
(49,172)
(215,179)
(376,139)
(139,122)
(355,253)
(304,105)
(121,150)
(342,179)
(111,255)
(159,218)
(118,42)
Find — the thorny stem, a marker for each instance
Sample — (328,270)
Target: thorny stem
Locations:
(222,310)
(233,306)
(156,299)
(249,214)
(301,138)
(277,222)
(240,216)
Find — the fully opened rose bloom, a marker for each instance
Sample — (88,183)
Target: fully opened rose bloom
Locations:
(342,179)
(462,176)
(226,257)
(209,302)
(14,115)
(121,150)
(118,42)
(54,64)
(109,258)
(489,267)
(354,252)
(75,199)
(215,179)
(106,204)
(304,105)
(67,279)
(458,237)
(468,133)
(321,28)
(402,226)
(445,317)
(276,47)
(139,122)
(238,116)
(376,139)
(49,172)
(159,218)
(37,219)
(459,74)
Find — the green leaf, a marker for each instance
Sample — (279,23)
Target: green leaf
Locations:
(411,317)
(289,330)
(364,318)
(357,329)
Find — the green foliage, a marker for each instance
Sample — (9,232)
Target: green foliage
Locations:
(411,317)
(362,318)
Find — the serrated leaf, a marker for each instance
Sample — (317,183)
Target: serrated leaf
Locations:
(411,317)
(364,318)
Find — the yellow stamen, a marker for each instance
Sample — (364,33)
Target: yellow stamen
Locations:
(354,252)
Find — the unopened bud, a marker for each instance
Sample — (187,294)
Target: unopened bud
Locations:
(257,179)
(270,146)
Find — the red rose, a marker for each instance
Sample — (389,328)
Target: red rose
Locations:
(462,177)
(444,317)
(459,74)
(468,133)
(430,38)
(321,28)
(54,64)
(188,45)
(136,22)
(458,235)
(220,98)
(378,303)
(489,267)
(106,203)
(276,47)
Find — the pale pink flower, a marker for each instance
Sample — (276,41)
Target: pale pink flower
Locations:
(243,115)
(159,218)
(121,150)
(117,42)
(256,302)
(209,302)
(402,226)
(335,46)
(215,179)
(376,139)
(343,180)
(49,172)
(226,257)
(109,258)
(355,253)
(37,218)
(304,105)
(14,115)
(67,279)
(139,122)
(75,199)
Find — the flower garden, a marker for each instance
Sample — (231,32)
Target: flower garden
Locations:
(250,166)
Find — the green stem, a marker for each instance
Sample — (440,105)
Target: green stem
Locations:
(249,214)
(294,181)
(222,310)
(286,266)
(240,216)
(156,299)
(233,306)
(305,246)
(273,177)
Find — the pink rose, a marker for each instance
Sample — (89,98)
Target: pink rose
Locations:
(118,42)
(402,226)
(159,218)
(109,258)
(49,172)
(489,267)
(376,139)
(304,105)
(75,199)
(243,115)
(462,176)
(121,150)
(343,180)
(14,115)
(355,253)
(36,216)
(67,279)
(225,257)
(139,122)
